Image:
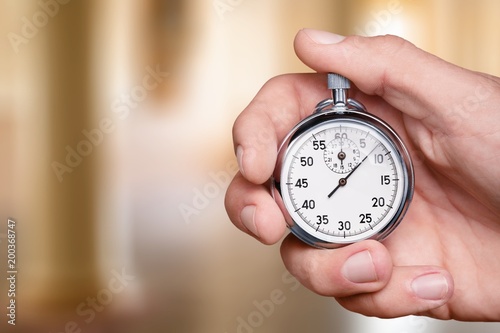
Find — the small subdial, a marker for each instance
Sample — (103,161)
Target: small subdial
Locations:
(341,155)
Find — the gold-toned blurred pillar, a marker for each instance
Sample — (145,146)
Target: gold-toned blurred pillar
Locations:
(69,267)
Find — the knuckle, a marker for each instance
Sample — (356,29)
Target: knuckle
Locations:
(323,279)
(277,81)
(366,304)
(391,43)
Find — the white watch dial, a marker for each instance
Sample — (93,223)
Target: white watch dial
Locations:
(343,180)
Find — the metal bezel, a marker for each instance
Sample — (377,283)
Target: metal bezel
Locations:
(357,113)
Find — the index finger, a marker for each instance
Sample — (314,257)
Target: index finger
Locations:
(416,82)
(280,104)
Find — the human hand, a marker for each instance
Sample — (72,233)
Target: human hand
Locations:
(442,261)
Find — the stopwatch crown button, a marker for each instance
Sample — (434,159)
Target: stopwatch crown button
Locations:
(336,81)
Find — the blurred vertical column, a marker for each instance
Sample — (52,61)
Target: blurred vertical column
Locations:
(24,163)
(489,26)
(125,43)
(63,235)
(467,33)
(113,59)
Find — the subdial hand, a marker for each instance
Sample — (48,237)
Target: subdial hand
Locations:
(341,155)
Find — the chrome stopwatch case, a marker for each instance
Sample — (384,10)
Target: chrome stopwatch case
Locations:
(343,175)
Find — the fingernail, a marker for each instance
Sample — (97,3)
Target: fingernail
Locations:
(430,286)
(359,268)
(247,216)
(239,158)
(323,37)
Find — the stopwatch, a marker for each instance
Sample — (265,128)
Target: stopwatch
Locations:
(342,175)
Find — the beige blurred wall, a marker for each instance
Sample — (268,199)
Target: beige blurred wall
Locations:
(119,207)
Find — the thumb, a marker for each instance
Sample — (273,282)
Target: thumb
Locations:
(411,290)
(407,77)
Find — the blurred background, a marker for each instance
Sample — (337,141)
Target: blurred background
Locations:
(116,151)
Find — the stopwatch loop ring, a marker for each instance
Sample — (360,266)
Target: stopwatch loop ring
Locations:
(328,105)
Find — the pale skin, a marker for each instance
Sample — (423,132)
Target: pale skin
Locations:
(443,261)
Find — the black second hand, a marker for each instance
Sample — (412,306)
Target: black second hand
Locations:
(350,173)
